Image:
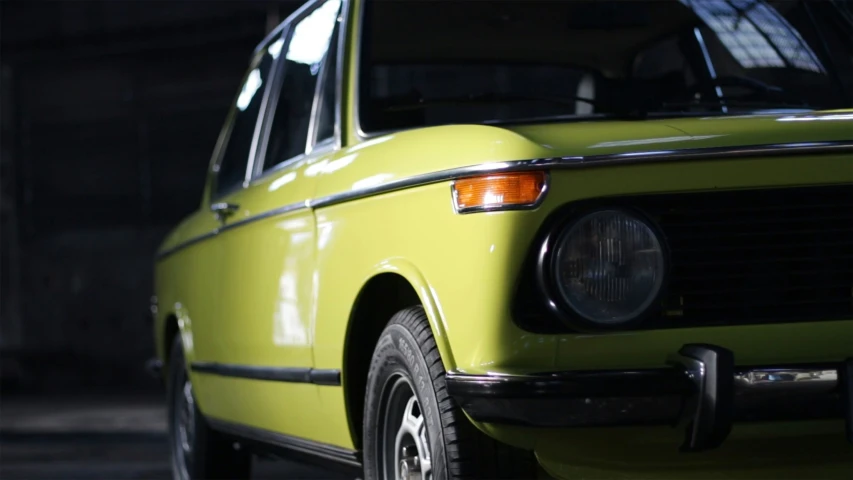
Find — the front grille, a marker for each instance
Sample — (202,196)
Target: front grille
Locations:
(775,255)
(736,257)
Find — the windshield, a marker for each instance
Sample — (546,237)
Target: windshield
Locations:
(435,62)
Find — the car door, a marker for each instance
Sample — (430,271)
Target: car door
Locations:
(267,328)
(227,179)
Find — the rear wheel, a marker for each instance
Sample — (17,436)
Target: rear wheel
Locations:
(197,451)
(413,429)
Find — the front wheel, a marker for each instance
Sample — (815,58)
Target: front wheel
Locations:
(413,429)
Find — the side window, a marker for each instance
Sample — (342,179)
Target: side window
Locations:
(325,127)
(231,169)
(304,52)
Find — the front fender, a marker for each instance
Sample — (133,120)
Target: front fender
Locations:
(428,297)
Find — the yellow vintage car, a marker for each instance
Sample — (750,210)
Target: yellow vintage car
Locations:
(523,239)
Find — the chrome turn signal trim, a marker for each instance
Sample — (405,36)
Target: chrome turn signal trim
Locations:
(500,191)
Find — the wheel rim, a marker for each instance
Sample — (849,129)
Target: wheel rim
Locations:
(404,442)
(184,428)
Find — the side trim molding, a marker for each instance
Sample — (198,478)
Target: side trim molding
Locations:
(292,207)
(274,374)
(301,446)
(553,163)
(186,243)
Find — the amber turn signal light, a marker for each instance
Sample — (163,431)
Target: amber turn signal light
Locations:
(500,191)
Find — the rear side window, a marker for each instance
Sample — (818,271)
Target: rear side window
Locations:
(304,53)
(231,170)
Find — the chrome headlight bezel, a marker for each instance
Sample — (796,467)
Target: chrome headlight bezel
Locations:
(547,280)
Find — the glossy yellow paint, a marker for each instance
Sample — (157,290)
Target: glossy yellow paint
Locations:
(464,268)
(280,291)
(265,305)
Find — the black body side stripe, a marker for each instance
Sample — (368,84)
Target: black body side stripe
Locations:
(275,374)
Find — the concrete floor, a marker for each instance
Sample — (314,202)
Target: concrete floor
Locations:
(98,437)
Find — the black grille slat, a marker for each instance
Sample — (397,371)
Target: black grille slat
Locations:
(768,222)
(812,301)
(760,208)
(765,246)
(687,275)
(761,234)
(787,260)
(758,256)
(699,292)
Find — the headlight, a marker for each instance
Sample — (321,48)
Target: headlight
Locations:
(608,266)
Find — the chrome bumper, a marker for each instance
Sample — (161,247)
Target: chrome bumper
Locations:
(702,392)
(783,380)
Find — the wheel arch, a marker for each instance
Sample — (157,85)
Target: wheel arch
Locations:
(392,286)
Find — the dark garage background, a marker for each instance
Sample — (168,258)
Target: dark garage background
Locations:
(109,113)
(110,110)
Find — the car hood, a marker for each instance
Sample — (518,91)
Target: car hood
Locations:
(602,137)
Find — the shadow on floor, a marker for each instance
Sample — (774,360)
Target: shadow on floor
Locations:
(110,438)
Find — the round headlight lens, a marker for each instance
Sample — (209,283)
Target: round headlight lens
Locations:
(609,266)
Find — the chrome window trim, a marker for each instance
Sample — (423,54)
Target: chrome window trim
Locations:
(278,30)
(259,134)
(208,196)
(269,114)
(263,115)
(550,163)
(311,135)
(277,168)
(321,148)
(356,81)
(339,71)
(298,13)
(324,147)
(214,194)
(317,104)
(257,171)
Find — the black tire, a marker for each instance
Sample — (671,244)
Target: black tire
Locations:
(208,454)
(406,352)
